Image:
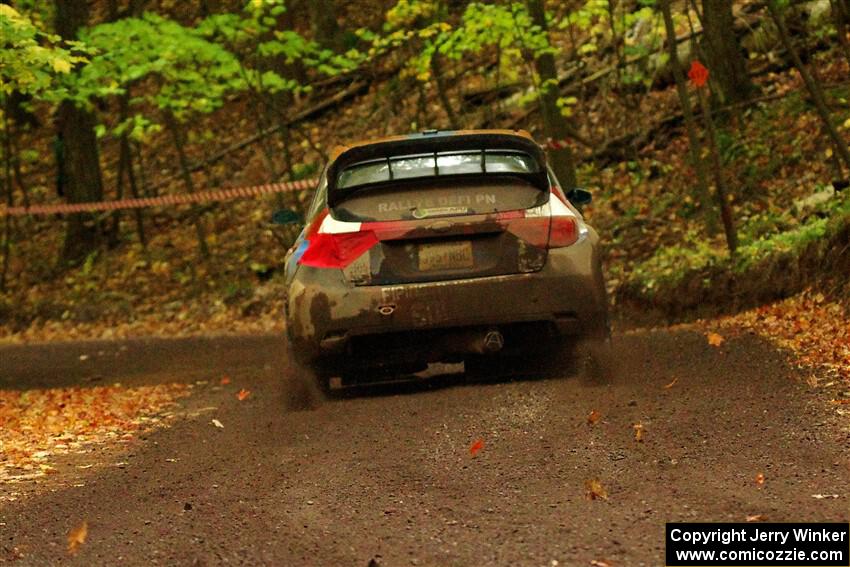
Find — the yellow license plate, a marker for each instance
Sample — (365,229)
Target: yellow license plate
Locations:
(445,256)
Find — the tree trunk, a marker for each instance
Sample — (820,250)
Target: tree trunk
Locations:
(841,16)
(296,69)
(724,53)
(125,153)
(695,146)
(185,172)
(555,124)
(264,115)
(811,84)
(125,167)
(326,30)
(721,190)
(78,153)
(617,43)
(7,190)
(442,94)
(289,168)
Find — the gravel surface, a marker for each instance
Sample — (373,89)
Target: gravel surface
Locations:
(385,475)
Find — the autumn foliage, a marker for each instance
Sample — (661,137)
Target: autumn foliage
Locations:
(38,425)
(815,329)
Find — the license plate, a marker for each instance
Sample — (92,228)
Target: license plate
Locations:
(445,256)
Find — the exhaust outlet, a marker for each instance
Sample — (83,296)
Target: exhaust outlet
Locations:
(475,341)
(493,341)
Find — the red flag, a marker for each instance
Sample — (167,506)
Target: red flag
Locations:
(698,74)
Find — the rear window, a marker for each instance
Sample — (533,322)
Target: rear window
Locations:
(433,165)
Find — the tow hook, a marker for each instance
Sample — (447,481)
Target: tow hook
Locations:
(493,341)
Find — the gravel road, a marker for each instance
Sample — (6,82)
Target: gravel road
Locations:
(385,475)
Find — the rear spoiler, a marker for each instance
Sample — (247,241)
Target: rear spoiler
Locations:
(432,143)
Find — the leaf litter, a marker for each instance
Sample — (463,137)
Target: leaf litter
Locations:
(38,425)
(814,328)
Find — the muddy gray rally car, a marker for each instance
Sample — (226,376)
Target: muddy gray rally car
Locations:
(441,247)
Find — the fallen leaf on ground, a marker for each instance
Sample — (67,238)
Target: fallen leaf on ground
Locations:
(38,425)
(243,394)
(756,518)
(715,340)
(824,496)
(595,490)
(225,380)
(593,417)
(601,563)
(638,427)
(841,402)
(760,480)
(817,330)
(475,447)
(217,423)
(77,537)
(671,384)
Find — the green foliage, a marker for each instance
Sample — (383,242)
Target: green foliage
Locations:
(411,26)
(189,73)
(566,104)
(422,30)
(640,30)
(31,59)
(410,13)
(181,70)
(670,264)
(305,170)
(493,25)
(254,35)
(763,237)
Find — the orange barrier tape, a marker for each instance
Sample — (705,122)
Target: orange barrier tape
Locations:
(200,197)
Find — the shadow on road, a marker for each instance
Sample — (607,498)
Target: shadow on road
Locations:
(414,384)
(133,361)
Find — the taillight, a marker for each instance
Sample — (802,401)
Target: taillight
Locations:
(533,230)
(336,250)
(545,231)
(564,232)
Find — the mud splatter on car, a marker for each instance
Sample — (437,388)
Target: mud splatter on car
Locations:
(441,247)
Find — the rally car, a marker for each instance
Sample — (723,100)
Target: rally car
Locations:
(440,247)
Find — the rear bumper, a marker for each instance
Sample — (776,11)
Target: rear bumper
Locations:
(327,317)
